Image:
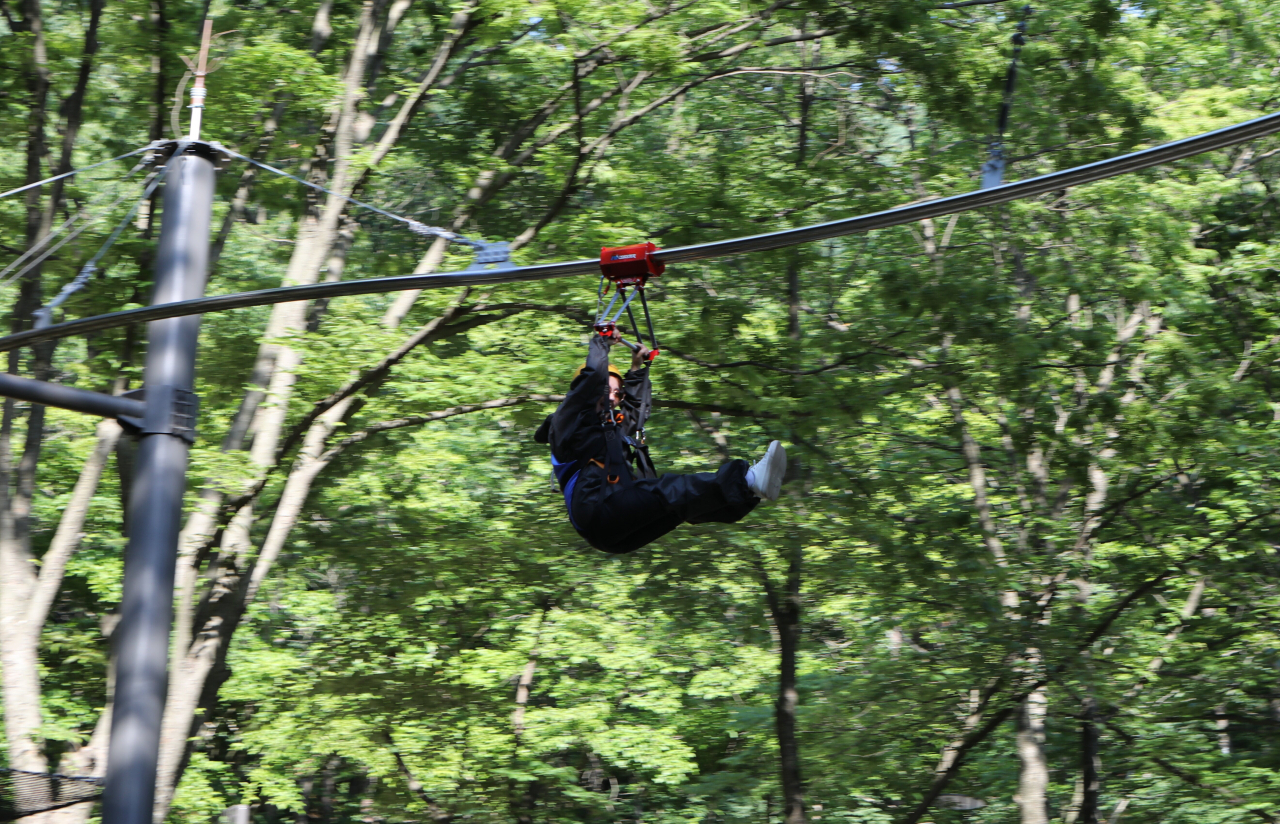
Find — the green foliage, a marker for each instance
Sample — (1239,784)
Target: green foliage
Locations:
(1105,352)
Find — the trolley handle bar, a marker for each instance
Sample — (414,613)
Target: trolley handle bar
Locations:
(612,332)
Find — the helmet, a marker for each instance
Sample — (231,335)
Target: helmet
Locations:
(613,370)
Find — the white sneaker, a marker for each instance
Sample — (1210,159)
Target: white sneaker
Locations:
(765,476)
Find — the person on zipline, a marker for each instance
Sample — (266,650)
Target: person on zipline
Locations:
(597,437)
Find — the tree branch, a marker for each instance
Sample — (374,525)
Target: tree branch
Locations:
(419,420)
(434,809)
(1186,776)
(625,30)
(966,3)
(768,366)
(461,23)
(776,41)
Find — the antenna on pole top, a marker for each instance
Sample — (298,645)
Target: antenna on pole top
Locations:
(197,89)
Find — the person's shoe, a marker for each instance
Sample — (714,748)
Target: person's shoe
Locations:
(765,476)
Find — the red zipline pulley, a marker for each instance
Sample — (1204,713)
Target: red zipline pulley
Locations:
(625,266)
(630,265)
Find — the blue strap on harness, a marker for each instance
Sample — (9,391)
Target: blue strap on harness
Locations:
(562,468)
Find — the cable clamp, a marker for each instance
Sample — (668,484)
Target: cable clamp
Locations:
(210,150)
(169,411)
(434,231)
(494,257)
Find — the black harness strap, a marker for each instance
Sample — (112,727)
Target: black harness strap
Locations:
(616,466)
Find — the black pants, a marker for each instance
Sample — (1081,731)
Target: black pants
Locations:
(627,515)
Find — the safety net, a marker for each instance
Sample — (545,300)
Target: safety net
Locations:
(27,793)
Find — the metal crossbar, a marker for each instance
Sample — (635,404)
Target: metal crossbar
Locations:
(1054,181)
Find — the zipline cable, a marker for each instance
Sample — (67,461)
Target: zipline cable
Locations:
(1054,181)
(35,247)
(415,226)
(72,172)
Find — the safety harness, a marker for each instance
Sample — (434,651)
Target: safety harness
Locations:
(616,464)
(626,268)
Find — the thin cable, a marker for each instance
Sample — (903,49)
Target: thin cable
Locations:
(993,169)
(79,231)
(72,172)
(35,247)
(48,252)
(979,198)
(44,315)
(414,225)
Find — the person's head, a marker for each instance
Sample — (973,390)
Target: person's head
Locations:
(612,395)
(615,389)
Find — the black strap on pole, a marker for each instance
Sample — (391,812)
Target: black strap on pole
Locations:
(993,169)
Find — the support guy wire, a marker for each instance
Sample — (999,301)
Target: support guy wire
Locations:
(415,226)
(79,215)
(44,315)
(72,172)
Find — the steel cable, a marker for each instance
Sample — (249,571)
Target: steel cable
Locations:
(55,232)
(72,172)
(1054,181)
(414,225)
(44,315)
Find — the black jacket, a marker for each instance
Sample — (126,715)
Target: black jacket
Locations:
(574,430)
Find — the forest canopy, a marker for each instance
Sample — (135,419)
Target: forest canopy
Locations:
(1026,562)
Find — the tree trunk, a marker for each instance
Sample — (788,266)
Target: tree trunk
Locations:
(89,760)
(1033,781)
(1090,764)
(524,794)
(19,666)
(785,613)
(66,539)
(978,483)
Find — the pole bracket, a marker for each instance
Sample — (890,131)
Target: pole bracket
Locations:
(168,411)
(210,150)
(493,256)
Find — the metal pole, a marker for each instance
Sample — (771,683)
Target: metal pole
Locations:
(198,90)
(68,397)
(141,638)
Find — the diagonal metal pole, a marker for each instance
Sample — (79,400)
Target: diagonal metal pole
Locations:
(141,639)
